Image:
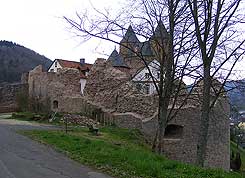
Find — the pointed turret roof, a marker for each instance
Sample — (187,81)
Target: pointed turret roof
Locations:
(130,36)
(116,59)
(160,31)
(146,49)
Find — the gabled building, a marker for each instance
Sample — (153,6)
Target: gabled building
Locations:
(118,62)
(143,79)
(83,68)
(132,50)
(130,44)
(131,53)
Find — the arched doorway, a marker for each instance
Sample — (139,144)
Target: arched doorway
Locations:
(173,131)
(55,104)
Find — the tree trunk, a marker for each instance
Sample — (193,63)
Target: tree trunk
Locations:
(157,145)
(205,114)
(162,121)
(165,89)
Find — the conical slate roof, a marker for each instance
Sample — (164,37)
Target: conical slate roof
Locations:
(116,59)
(130,36)
(160,31)
(146,49)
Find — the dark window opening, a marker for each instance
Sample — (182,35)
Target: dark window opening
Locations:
(147,88)
(147,75)
(138,86)
(174,131)
(55,104)
(55,64)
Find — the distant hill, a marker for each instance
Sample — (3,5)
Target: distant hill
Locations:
(236,93)
(16,59)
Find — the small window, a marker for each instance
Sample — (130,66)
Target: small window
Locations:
(173,131)
(55,104)
(51,70)
(158,75)
(139,86)
(147,75)
(147,88)
(55,64)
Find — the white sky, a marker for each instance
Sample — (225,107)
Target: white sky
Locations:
(38,25)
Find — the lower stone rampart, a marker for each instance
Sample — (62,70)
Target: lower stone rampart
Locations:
(10,95)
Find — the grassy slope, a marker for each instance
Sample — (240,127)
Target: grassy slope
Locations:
(121,153)
(242,152)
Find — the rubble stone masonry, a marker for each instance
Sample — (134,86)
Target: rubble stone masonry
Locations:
(111,89)
(51,89)
(8,96)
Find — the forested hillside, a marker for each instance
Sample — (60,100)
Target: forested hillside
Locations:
(16,59)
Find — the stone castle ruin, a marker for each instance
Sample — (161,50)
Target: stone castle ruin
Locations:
(51,91)
(133,109)
(110,89)
(10,94)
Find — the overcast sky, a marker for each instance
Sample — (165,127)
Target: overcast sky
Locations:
(38,25)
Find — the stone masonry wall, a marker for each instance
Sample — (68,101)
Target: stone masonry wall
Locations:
(110,89)
(9,96)
(184,148)
(47,87)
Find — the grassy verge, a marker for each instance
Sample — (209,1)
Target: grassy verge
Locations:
(5,115)
(121,153)
(242,152)
(33,117)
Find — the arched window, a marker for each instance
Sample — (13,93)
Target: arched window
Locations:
(55,104)
(174,131)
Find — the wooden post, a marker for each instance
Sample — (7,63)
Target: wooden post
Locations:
(66,123)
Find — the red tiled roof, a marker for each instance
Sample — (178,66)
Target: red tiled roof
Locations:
(73,64)
(77,65)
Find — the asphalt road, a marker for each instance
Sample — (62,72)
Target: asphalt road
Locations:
(20,157)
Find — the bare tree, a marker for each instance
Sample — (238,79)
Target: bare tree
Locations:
(220,44)
(199,41)
(173,46)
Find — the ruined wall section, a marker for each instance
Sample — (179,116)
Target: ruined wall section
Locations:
(47,87)
(9,94)
(111,89)
(219,135)
(184,147)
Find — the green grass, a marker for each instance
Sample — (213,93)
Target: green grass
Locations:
(33,117)
(5,115)
(121,153)
(241,151)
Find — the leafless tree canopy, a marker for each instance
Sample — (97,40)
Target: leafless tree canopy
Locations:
(198,40)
